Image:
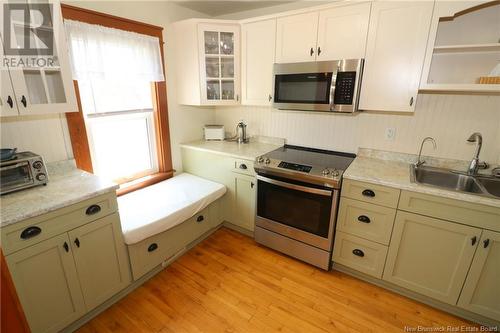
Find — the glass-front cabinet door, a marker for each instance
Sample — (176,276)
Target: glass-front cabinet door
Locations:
(40,68)
(219,63)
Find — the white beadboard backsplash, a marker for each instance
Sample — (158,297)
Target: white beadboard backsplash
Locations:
(46,135)
(450,119)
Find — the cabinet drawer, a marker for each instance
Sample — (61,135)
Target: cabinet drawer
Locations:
(34,230)
(377,194)
(149,253)
(476,215)
(244,166)
(366,220)
(359,254)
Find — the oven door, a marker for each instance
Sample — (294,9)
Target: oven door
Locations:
(303,212)
(15,176)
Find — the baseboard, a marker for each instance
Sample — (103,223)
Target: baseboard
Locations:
(239,229)
(135,284)
(420,298)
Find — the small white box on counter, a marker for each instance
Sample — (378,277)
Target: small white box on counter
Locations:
(214,132)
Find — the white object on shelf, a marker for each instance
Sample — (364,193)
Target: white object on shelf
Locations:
(214,132)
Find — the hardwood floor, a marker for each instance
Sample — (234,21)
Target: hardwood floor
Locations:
(228,283)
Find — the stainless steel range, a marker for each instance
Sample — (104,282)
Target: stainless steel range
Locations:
(298,192)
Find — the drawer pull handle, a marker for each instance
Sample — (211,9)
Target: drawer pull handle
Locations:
(93,209)
(368,193)
(30,232)
(486,242)
(152,247)
(473,240)
(66,247)
(243,166)
(364,219)
(77,242)
(358,252)
(200,218)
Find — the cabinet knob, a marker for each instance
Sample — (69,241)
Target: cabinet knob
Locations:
(10,102)
(243,166)
(200,218)
(77,242)
(30,232)
(319,50)
(270,97)
(93,209)
(473,240)
(358,252)
(364,219)
(152,247)
(486,242)
(411,101)
(24,101)
(368,193)
(311,52)
(66,246)
(252,184)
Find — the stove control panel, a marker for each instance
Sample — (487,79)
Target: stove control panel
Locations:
(295,167)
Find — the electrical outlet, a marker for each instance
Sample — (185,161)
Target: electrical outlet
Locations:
(390,133)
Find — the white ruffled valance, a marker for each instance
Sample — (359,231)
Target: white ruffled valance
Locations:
(99,52)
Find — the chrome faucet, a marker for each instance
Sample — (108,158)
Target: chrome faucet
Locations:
(474,163)
(419,160)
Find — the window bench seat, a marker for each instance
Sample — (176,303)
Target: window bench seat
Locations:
(160,220)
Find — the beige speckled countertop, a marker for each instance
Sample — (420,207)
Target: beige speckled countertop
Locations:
(67,185)
(396,173)
(248,151)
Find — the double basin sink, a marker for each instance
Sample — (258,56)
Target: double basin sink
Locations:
(456,181)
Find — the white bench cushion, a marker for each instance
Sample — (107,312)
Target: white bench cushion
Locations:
(162,206)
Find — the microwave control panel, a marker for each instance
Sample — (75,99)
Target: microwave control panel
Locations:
(344,87)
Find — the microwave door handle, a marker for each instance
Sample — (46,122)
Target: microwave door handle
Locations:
(332,91)
(301,188)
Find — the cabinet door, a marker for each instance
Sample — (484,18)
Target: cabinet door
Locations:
(101,259)
(45,86)
(8,104)
(430,256)
(395,51)
(219,64)
(481,292)
(46,281)
(342,32)
(244,202)
(296,38)
(257,59)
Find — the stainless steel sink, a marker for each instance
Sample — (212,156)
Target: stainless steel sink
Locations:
(452,180)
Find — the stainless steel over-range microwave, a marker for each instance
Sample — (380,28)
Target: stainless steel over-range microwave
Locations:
(331,86)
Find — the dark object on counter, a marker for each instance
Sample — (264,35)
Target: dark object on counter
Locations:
(7,153)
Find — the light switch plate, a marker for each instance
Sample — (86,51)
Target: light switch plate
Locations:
(390,133)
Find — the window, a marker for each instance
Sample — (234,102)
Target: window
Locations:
(121,131)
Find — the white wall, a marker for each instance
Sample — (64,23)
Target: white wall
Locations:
(46,135)
(450,119)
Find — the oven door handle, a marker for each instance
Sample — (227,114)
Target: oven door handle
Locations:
(14,166)
(301,188)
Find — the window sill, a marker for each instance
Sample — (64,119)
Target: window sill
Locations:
(147,181)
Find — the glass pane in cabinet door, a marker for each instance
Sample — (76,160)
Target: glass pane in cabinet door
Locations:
(227,90)
(55,86)
(212,66)
(35,86)
(213,90)
(227,67)
(211,42)
(227,43)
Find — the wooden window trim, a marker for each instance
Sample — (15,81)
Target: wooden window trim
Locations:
(76,122)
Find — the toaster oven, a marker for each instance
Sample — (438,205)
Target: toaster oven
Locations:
(23,170)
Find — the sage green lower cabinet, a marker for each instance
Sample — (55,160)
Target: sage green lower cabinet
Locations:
(46,282)
(481,291)
(101,259)
(244,201)
(430,256)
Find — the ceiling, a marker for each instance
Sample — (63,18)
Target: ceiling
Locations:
(217,8)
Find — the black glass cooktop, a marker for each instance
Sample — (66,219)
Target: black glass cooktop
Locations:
(303,159)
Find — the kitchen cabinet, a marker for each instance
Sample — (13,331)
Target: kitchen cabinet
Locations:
(296,38)
(481,291)
(67,262)
(208,62)
(244,201)
(101,259)
(395,51)
(46,282)
(430,256)
(47,87)
(342,32)
(258,41)
(8,101)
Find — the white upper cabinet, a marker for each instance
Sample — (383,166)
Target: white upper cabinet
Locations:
(8,102)
(207,56)
(296,38)
(257,59)
(395,51)
(342,32)
(45,86)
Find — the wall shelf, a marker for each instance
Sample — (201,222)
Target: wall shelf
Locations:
(492,47)
(490,89)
